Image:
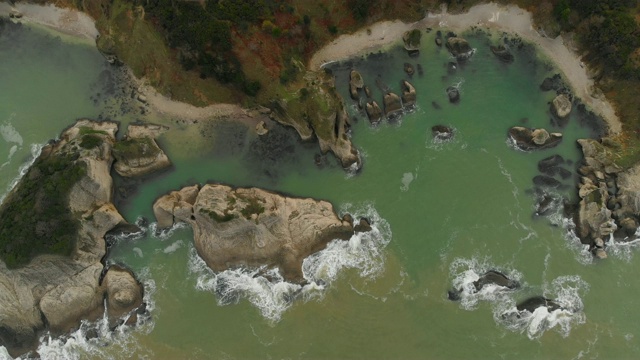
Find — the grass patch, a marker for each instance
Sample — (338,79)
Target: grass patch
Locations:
(225,217)
(90,141)
(134,148)
(35,218)
(253,207)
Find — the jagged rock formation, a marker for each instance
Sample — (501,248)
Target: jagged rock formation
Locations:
(373,112)
(138,153)
(609,197)
(411,41)
(321,113)
(392,104)
(533,139)
(252,227)
(55,289)
(408,94)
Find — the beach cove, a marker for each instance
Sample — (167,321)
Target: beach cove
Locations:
(443,213)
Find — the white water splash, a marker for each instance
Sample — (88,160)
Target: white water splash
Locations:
(406,180)
(36,149)
(97,340)
(266,289)
(10,134)
(173,247)
(466,271)
(565,291)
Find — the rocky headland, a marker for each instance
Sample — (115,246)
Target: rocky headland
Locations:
(53,272)
(250,227)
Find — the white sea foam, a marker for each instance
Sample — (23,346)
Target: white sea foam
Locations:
(10,134)
(138,252)
(36,149)
(266,289)
(97,340)
(566,291)
(173,247)
(573,242)
(406,180)
(466,271)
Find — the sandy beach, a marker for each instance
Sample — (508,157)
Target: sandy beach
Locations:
(67,21)
(511,19)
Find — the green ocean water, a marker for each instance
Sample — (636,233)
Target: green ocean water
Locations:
(442,214)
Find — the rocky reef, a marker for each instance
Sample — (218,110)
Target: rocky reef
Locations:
(54,222)
(250,227)
(533,139)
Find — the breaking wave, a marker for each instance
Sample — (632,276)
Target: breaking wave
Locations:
(97,339)
(267,290)
(566,291)
(36,149)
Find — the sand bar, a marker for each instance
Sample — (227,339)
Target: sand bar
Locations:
(511,19)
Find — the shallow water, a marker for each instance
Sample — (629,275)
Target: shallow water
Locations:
(443,214)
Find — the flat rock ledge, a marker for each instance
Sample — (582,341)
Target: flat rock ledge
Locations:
(250,227)
(138,154)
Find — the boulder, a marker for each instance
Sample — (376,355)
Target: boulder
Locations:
(123,292)
(561,106)
(533,139)
(180,202)
(531,304)
(353,92)
(392,104)
(459,48)
(253,228)
(408,94)
(442,132)
(454,94)
(261,128)
(356,80)
(373,112)
(502,53)
(367,91)
(362,226)
(496,278)
(411,41)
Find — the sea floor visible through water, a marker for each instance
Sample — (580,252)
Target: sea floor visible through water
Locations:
(443,213)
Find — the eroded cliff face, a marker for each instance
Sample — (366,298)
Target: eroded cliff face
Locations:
(55,285)
(252,227)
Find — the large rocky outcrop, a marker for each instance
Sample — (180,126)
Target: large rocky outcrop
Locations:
(609,196)
(459,48)
(373,112)
(392,104)
(533,139)
(408,94)
(138,153)
(561,106)
(411,39)
(56,291)
(253,227)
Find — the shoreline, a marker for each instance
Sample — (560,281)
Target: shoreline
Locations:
(510,18)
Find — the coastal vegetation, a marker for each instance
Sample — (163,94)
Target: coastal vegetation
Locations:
(35,218)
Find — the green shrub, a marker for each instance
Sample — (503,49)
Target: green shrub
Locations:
(90,141)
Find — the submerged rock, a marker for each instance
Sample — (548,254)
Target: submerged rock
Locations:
(253,227)
(502,53)
(442,132)
(454,94)
(546,181)
(533,139)
(408,68)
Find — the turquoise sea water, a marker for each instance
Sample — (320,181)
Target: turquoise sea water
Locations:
(442,214)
